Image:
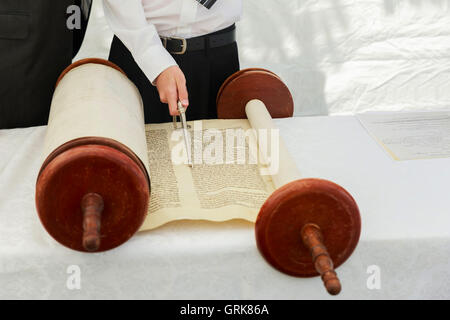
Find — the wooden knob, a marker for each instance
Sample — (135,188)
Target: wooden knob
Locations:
(92,207)
(250,84)
(72,215)
(313,240)
(309,218)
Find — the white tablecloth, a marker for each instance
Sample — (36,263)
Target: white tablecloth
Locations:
(405,209)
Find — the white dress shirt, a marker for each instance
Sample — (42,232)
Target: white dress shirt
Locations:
(140,23)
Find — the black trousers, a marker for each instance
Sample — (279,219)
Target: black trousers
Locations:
(205,72)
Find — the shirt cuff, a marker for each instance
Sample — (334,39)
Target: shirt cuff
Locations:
(154,62)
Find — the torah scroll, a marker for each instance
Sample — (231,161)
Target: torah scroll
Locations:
(96,101)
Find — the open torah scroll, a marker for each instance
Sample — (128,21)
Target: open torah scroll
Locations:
(231,177)
(219,187)
(226,182)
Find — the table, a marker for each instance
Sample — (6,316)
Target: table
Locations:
(405,211)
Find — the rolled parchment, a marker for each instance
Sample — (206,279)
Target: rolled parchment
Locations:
(93,188)
(274,156)
(97,100)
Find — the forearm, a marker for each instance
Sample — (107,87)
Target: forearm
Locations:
(128,22)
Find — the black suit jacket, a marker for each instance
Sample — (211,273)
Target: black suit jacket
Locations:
(35,47)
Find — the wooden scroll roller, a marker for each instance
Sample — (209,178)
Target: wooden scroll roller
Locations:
(93,188)
(307,227)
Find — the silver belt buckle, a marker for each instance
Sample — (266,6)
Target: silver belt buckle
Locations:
(183,44)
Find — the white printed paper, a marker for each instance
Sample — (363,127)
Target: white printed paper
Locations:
(410,136)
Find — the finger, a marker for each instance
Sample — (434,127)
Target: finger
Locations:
(162,95)
(183,95)
(162,98)
(173,104)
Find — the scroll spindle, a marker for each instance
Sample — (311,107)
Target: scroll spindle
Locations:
(312,206)
(313,240)
(92,207)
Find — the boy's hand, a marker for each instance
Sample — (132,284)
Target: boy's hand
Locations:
(171,85)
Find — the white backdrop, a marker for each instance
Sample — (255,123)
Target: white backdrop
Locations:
(340,56)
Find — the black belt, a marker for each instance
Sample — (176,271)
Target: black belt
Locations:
(214,40)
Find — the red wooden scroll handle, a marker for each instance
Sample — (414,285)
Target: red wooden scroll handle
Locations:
(313,240)
(92,207)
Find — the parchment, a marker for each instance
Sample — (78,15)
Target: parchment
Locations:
(94,100)
(273,152)
(208,191)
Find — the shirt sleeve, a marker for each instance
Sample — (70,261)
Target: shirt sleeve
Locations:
(128,22)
